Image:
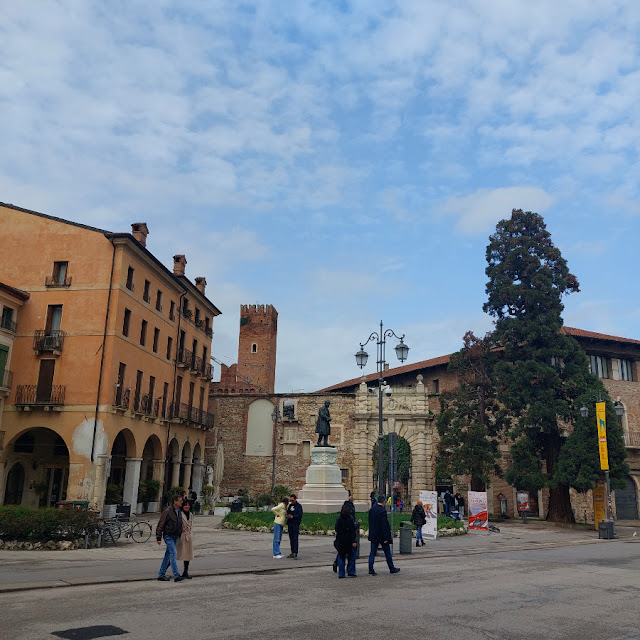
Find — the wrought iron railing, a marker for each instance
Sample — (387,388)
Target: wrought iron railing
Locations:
(34,395)
(57,281)
(182,411)
(122,398)
(185,358)
(6,378)
(197,364)
(8,324)
(48,340)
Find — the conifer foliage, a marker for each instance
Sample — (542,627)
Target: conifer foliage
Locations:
(542,376)
(471,421)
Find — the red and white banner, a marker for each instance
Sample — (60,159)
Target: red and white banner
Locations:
(478,512)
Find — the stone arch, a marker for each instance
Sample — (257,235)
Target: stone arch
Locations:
(151,452)
(122,447)
(14,486)
(259,440)
(43,455)
(197,452)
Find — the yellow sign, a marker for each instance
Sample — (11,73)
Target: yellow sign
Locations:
(599,505)
(602,435)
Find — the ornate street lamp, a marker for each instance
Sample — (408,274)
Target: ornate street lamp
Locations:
(402,351)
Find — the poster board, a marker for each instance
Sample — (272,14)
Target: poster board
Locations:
(599,504)
(523,500)
(478,511)
(430,504)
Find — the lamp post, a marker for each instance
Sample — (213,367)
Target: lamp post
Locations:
(402,351)
(275,416)
(602,443)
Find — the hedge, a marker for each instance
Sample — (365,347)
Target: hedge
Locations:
(25,523)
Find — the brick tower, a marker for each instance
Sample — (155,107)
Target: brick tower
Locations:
(257,346)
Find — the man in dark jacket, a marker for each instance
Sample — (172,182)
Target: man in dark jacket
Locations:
(170,528)
(380,535)
(294,517)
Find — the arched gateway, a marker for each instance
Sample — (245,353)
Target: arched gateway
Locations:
(406,412)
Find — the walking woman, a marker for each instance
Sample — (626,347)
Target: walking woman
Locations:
(345,543)
(184,545)
(419,518)
(280,512)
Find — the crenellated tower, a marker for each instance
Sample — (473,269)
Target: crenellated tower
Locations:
(257,346)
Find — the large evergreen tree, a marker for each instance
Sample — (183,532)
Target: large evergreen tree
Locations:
(471,421)
(542,377)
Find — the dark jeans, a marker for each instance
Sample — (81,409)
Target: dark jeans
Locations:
(387,554)
(351,563)
(294,532)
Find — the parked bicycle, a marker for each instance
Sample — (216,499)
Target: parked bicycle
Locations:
(137,530)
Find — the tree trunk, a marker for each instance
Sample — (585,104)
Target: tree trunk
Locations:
(560,505)
(559,498)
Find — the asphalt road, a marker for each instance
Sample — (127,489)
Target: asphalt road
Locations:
(572,590)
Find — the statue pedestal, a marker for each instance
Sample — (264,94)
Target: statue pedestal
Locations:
(323,491)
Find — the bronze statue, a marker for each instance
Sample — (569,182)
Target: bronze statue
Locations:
(323,425)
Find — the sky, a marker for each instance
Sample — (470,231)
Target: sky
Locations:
(344,161)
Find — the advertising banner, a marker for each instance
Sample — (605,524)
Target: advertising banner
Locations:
(523,501)
(430,504)
(478,512)
(599,504)
(602,435)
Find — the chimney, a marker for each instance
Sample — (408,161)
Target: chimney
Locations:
(179,263)
(201,283)
(386,366)
(140,231)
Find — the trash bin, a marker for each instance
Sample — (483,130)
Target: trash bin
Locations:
(81,505)
(606,530)
(406,540)
(123,511)
(236,506)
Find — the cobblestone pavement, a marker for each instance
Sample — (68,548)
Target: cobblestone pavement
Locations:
(221,551)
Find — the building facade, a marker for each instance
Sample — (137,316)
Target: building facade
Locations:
(252,444)
(111,363)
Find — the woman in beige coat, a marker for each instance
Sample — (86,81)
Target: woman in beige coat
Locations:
(184,546)
(279,511)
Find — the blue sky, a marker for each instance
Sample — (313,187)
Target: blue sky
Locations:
(343,161)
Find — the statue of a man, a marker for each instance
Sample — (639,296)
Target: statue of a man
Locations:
(323,425)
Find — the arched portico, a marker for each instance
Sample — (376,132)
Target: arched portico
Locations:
(405,413)
(35,468)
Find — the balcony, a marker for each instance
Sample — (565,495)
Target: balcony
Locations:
(121,401)
(47,398)
(197,365)
(183,412)
(59,282)
(631,440)
(48,341)
(8,324)
(184,359)
(205,371)
(6,378)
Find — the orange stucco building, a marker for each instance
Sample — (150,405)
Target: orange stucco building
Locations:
(110,364)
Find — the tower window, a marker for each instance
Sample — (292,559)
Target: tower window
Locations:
(254,348)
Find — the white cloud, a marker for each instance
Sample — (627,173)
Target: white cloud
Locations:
(480,211)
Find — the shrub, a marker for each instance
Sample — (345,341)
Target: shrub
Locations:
(42,525)
(174,491)
(113,494)
(281,491)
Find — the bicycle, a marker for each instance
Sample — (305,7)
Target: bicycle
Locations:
(137,530)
